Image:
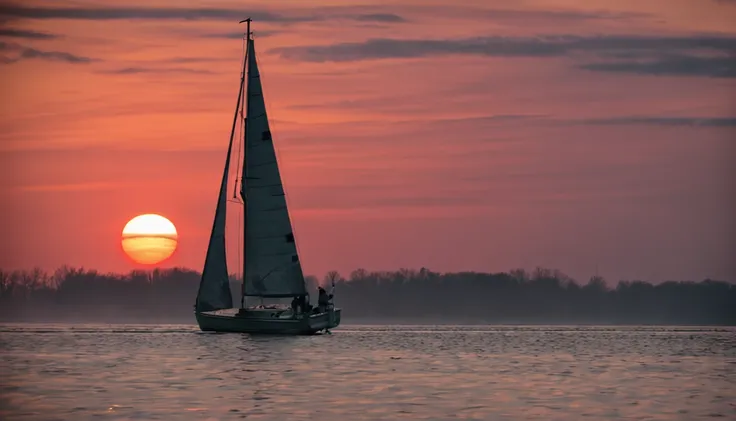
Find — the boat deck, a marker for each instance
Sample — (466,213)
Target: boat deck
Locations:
(260,312)
(267,319)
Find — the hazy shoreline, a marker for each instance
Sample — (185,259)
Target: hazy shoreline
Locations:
(406,296)
(347,321)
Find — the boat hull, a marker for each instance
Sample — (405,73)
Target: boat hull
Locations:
(266,321)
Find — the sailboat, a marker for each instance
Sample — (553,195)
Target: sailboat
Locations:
(271,266)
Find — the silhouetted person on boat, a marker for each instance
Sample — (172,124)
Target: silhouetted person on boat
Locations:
(295,304)
(299,304)
(323,300)
(305,305)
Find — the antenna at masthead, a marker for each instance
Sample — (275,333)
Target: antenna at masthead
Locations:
(247,27)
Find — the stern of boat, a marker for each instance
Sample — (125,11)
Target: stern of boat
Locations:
(327,320)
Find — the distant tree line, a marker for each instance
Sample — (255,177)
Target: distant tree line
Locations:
(542,296)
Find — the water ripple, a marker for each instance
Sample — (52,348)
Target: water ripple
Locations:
(170,372)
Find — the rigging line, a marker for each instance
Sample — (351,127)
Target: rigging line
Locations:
(235,198)
(240,132)
(238,158)
(245,106)
(241,145)
(240,254)
(228,162)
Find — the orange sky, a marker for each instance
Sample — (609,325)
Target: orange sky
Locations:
(482,135)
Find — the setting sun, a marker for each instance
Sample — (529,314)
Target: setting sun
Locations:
(149,239)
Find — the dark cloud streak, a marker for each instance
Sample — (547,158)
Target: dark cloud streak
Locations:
(142,70)
(663,121)
(27,34)
(661,55)
(497,46)
(721,67)
(553,14)
(172,13)
(184,60)
(384,48)
(19,52)
(54,55)
(117,13)
(380,17)
(240,35)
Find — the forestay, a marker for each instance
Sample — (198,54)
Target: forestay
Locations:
(214,287)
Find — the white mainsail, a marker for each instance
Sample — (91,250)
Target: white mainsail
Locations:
(271,267)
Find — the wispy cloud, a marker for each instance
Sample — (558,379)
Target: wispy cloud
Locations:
(24,33)
(239,35)
(140,70)
(398,11)
(183,13)
(695,56)
(156,13)
(385,48)
(380,17)
(537,14)
(413,128)
(665,121)
(18,52)
(641,120)
(497,46)
(648,120)
(724,67)
(184,60)
(70,187)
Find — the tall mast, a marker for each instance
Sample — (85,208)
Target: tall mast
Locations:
(243,179)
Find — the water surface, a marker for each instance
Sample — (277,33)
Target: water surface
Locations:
(175,372)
